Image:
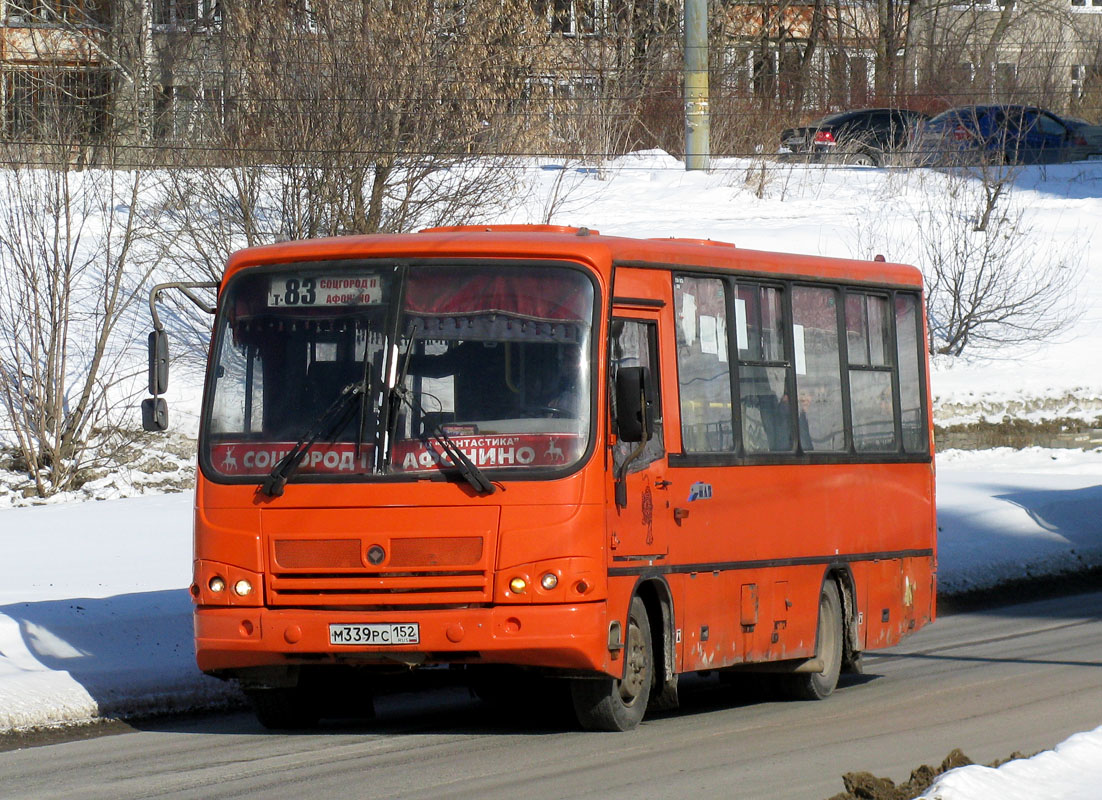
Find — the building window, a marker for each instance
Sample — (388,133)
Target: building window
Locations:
(184,113)
(765,73)
(1006,77)
(50,105)
(46,12)
(1078,76)
(184,13)
(738,70)
(563,101)
(573,17)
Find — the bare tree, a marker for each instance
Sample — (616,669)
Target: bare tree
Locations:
(991,281)
(73,260)
(1012,52)
(358,117)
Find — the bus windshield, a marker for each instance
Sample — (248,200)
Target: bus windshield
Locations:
(375,368)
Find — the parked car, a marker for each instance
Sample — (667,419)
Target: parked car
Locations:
(1088,140)
(865,136)
(996,134)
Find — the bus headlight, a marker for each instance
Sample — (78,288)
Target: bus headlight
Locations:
(243,588)
(551,580)
(217,584)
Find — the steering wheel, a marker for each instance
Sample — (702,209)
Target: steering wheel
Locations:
(546,412)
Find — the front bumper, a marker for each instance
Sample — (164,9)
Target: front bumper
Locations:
(558,636)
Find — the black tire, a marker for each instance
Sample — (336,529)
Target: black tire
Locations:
(864,158)
(615,704)
(284,708)
(820,685)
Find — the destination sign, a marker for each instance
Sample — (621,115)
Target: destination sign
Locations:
(313,291)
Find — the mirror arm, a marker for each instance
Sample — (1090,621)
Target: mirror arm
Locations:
(621,491)
(154,409)
(187,289)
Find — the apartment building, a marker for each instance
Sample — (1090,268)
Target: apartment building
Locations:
(165,75)
(815,57)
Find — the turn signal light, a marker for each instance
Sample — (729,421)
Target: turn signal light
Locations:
(518,585)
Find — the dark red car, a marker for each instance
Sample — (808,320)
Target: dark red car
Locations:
(865,136)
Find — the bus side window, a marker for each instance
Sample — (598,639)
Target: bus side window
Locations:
(821,424)
(634,343)
(908,333)
(763,371)
(703,366)
(868,334)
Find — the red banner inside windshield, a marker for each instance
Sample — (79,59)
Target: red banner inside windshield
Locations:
(339,458)
(548,297)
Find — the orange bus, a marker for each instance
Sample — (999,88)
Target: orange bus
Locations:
(542,450)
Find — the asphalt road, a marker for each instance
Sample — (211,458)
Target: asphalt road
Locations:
(1018,678)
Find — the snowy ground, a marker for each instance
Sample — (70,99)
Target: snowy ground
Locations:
(94,611)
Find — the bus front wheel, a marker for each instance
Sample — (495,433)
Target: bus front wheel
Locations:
(284,708)
(618,704)
(820,685)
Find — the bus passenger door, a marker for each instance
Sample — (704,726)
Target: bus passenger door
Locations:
(639,527)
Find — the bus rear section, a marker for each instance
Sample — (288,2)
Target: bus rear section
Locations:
(541,453)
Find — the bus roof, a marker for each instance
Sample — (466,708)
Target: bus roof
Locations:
(576,244)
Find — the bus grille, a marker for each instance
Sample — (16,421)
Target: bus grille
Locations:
(413,570)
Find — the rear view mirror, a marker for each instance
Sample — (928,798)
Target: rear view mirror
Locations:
(154,414)
(158,362)
(634,404)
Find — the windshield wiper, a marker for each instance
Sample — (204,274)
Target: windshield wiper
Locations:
(326,426)
(471,473)
(398,392)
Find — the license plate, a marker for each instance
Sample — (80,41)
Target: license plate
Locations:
(379,633)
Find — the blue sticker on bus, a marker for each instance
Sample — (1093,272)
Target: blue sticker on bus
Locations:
(700,491)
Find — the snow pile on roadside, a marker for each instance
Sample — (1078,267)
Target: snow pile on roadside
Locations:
(1070,771)
(1005,514)
(95,616)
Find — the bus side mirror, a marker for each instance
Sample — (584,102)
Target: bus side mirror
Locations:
(154,414)
(158,362)
(634,404)
(155,409)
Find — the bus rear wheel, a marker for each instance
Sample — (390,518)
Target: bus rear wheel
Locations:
(820,685)
(618,704)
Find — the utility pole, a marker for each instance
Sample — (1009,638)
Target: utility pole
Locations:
(697,120)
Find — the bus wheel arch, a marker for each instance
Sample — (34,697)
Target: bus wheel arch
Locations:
(851,641)
(618,704)
(829,646)
(658,599)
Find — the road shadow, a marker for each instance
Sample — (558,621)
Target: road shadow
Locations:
(545,710)
(1007,543)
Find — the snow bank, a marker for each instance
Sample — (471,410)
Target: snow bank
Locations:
(1070,771)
